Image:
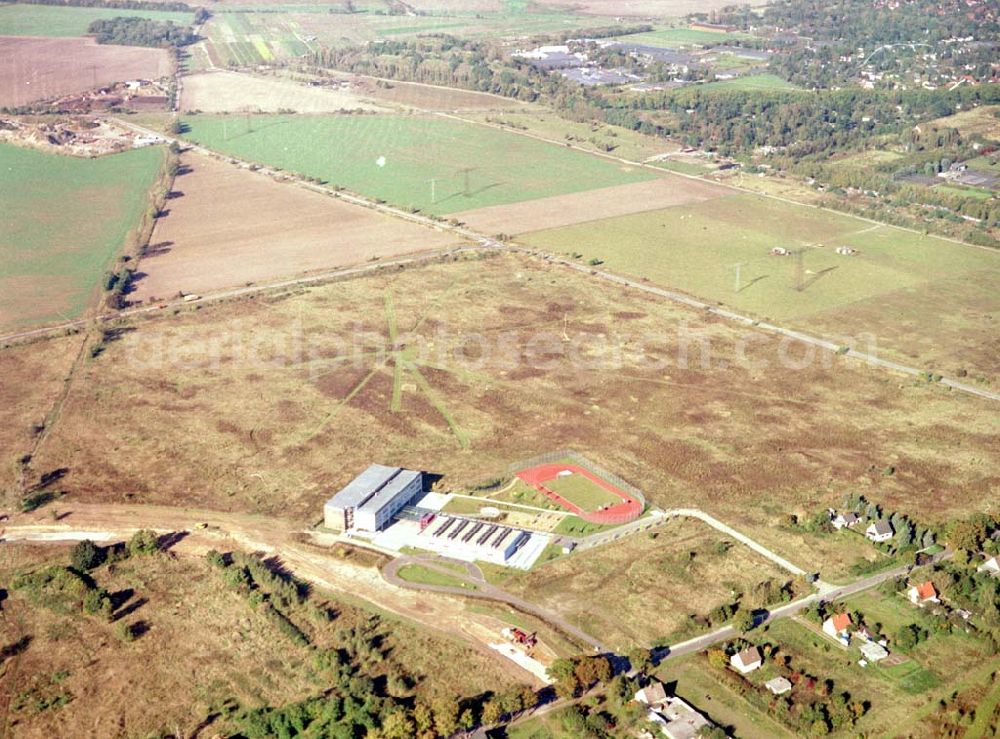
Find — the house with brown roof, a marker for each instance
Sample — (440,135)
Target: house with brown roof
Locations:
(923,593)
(845,520)
(746,661)
(653,694)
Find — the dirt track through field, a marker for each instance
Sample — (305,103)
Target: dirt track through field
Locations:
(40,68)
(227,227)
(566,210)
(439,612)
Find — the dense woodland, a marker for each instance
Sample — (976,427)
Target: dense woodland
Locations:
(129,31)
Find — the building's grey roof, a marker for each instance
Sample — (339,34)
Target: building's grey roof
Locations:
(882,527)
(742,51)
(873,652)
(391,489)
(360,489)
(778,685)
(669,56)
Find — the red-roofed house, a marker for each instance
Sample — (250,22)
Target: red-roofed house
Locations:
(837,625)
(923,593)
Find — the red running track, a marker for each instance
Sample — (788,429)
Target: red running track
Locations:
(628,510)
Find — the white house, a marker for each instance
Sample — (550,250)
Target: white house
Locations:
(880,531)
(923,593)
(991,566)
(837,625)
(653,694)
(844,520)
(746,661)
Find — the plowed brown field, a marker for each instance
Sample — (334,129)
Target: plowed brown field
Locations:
(226,227)
(39,68)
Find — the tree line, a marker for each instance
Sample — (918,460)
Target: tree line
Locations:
(132,31)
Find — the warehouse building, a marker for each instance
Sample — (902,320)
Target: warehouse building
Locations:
(470,539)
(370,500)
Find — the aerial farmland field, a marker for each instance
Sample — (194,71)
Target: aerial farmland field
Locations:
(35,68)
(223,91)
(65,218)
(704,248)
(227,226)
(436,165)
(51,20)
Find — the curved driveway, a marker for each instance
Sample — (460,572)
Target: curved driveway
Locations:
(483,590)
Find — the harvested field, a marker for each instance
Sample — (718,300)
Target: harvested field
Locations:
(641,589)
(227,227)
(429,163)
(268,405)
(65,220)
(34,69)
(33,376)
(222,91)
(566,210)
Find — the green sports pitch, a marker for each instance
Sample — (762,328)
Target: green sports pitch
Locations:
(431,164)
(583,492)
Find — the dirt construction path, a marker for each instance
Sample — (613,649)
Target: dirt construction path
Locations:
(439,612)
(483,590)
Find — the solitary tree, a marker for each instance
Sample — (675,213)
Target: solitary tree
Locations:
(744,620)
(86,555)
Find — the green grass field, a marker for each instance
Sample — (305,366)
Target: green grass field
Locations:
(696,248)
(672,38)
(48,20)
(581,491)
(395,158)
(426,576)
(751,82)
(966,192)
(64,220)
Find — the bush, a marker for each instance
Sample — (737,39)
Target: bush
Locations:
(86,555)
(143,542)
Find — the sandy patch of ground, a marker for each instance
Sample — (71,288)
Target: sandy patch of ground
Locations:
(221,91)
(40,68)
(565,210)
(227,227)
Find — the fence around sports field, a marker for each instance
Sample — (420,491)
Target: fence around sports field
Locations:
(613,516)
